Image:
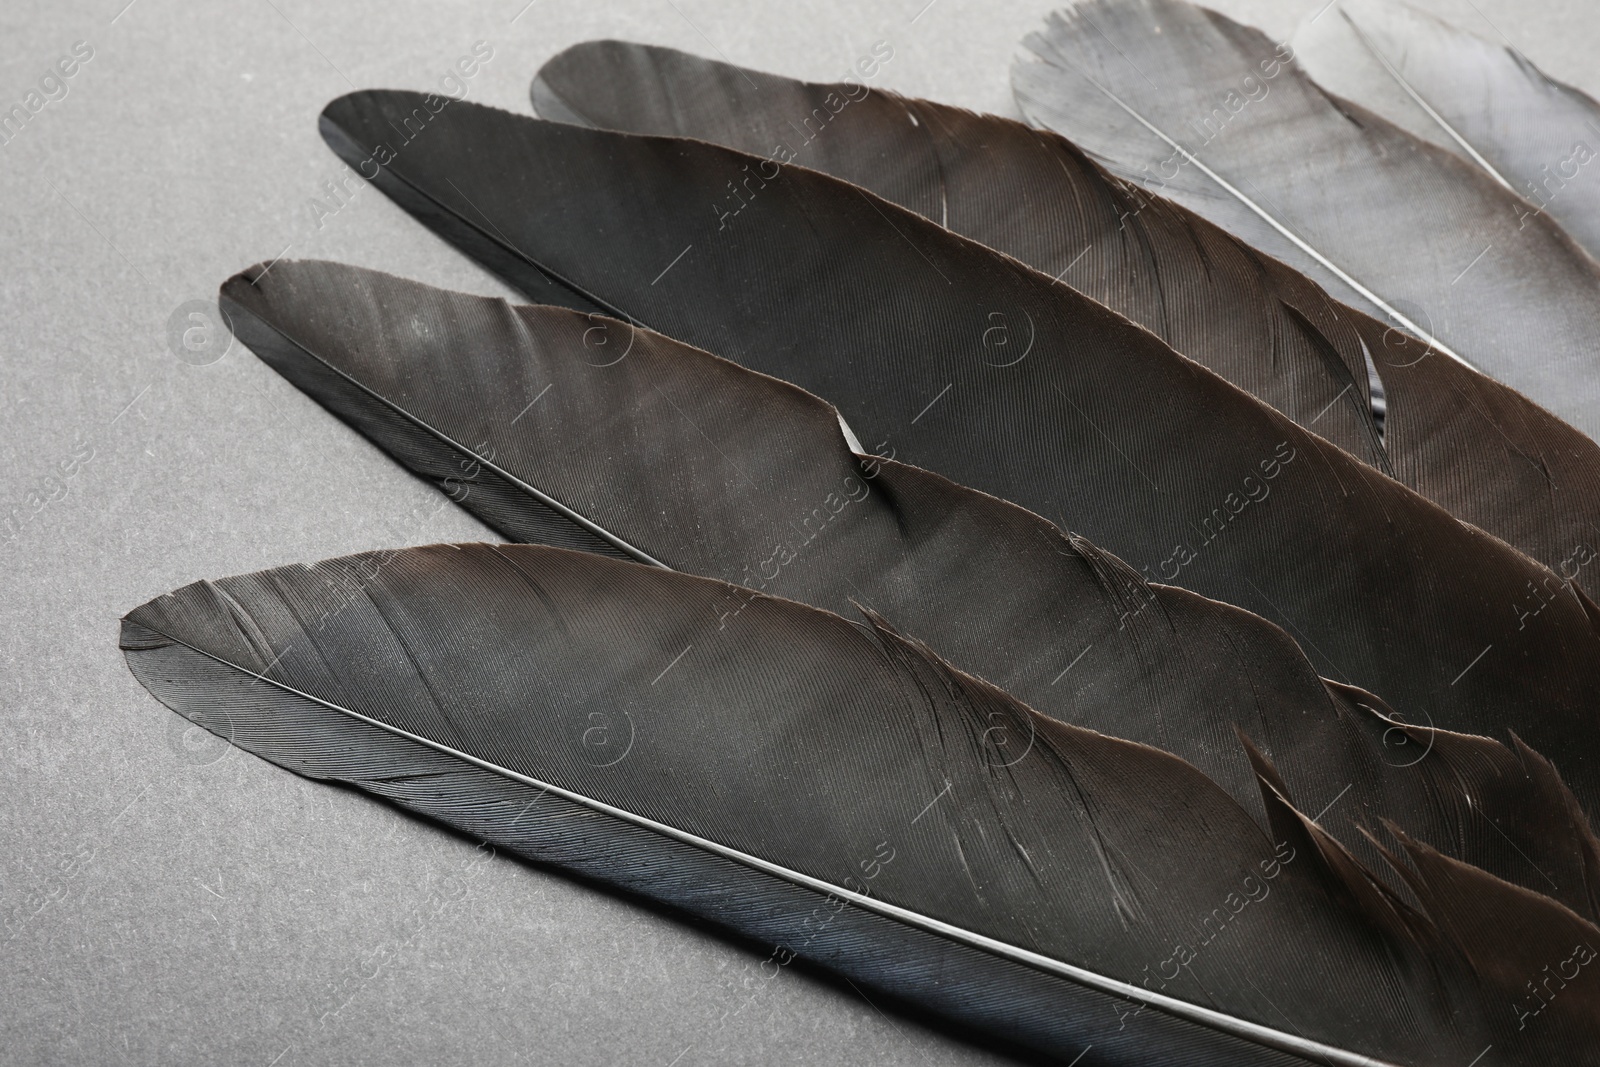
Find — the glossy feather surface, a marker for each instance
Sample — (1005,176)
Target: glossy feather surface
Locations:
(679,458)
(831,756)
(1481,450)
(1102,425)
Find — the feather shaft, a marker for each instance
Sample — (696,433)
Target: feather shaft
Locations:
(503,654)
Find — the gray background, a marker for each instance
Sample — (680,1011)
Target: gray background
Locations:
(166,899)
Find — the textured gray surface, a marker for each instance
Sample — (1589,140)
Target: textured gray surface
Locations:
(166,899)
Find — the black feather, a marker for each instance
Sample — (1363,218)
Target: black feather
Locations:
(1147,454)
(694,463)
(796,770)
(1478,448)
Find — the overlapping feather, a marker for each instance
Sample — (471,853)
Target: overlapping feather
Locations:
(1099,424)
(588,433)
(1189,104)
(1476,98)
(844,791)
(1481,450)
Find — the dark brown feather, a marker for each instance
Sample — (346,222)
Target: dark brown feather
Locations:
(1147,454)
(678,457)
(1483,451)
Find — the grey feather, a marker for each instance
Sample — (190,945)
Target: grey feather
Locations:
(1213,114)
(1476,98)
